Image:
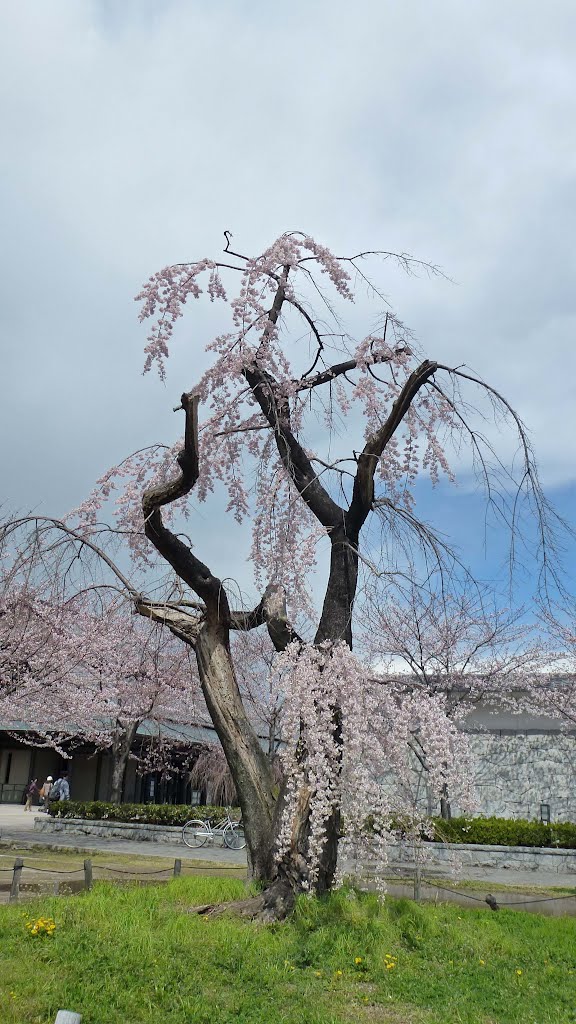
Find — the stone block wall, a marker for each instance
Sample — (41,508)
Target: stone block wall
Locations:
(516,772)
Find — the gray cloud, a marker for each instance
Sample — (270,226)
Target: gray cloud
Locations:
(135,133)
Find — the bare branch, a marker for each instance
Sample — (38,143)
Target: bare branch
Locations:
(270,611)
(180,557)
(80,539)
(181,624)
(325,376)
(363,492)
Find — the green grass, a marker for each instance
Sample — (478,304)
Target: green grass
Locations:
(135,956)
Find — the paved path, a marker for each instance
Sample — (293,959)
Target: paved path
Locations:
(502,876)
(17,829)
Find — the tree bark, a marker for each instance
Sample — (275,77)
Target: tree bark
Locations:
(445,809)
(249,765)
(294,867)
(121,747)
(336,619)
(335,626)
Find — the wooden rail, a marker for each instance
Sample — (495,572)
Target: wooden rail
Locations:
(87,869)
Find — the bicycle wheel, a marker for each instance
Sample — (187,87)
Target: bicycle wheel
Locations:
(195,833)
(234,836)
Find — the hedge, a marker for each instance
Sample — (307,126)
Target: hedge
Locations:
(505,832)
(478,831)
(148,814)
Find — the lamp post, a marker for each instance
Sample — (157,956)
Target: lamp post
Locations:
(545,814)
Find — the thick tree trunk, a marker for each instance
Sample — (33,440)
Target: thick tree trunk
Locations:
(247,760)
(293,871)
(294,867)
(291,876)
(117,778)
(335,625)
(445,809)
(262,813)
(336,620)
(121,747)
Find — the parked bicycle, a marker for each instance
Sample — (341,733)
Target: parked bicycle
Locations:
(197,833)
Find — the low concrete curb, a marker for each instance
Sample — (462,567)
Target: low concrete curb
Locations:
(513,858)
(134,830)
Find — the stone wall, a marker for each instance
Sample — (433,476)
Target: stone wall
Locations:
(517,771)
(113,829)
(458,856)
(514,772)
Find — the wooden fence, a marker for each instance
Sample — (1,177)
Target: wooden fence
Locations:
(87,870)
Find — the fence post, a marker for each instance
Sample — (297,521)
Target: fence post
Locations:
(417,880)
(88,873)
(417,871)
(177,867)
(68,1017)
(17,874)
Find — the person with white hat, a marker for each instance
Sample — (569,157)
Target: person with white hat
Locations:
(45,792)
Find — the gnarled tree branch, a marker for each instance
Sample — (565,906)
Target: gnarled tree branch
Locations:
(363,492)
(276,410)
(270,611)
(189,568)
(182,624)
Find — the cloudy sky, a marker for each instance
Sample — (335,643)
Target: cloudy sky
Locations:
(134,132)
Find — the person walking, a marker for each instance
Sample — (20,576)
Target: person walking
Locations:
(64,786)
(60,790)
(45,792)
(31,792)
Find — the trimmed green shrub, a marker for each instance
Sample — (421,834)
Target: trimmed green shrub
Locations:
(477,831)
(147,814)
(505,832)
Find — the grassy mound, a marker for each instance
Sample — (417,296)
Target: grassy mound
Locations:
(135,955)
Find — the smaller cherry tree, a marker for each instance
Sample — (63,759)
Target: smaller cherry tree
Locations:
(35,647)
(460,648)
(553,692)
(135,673)
(113,672)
